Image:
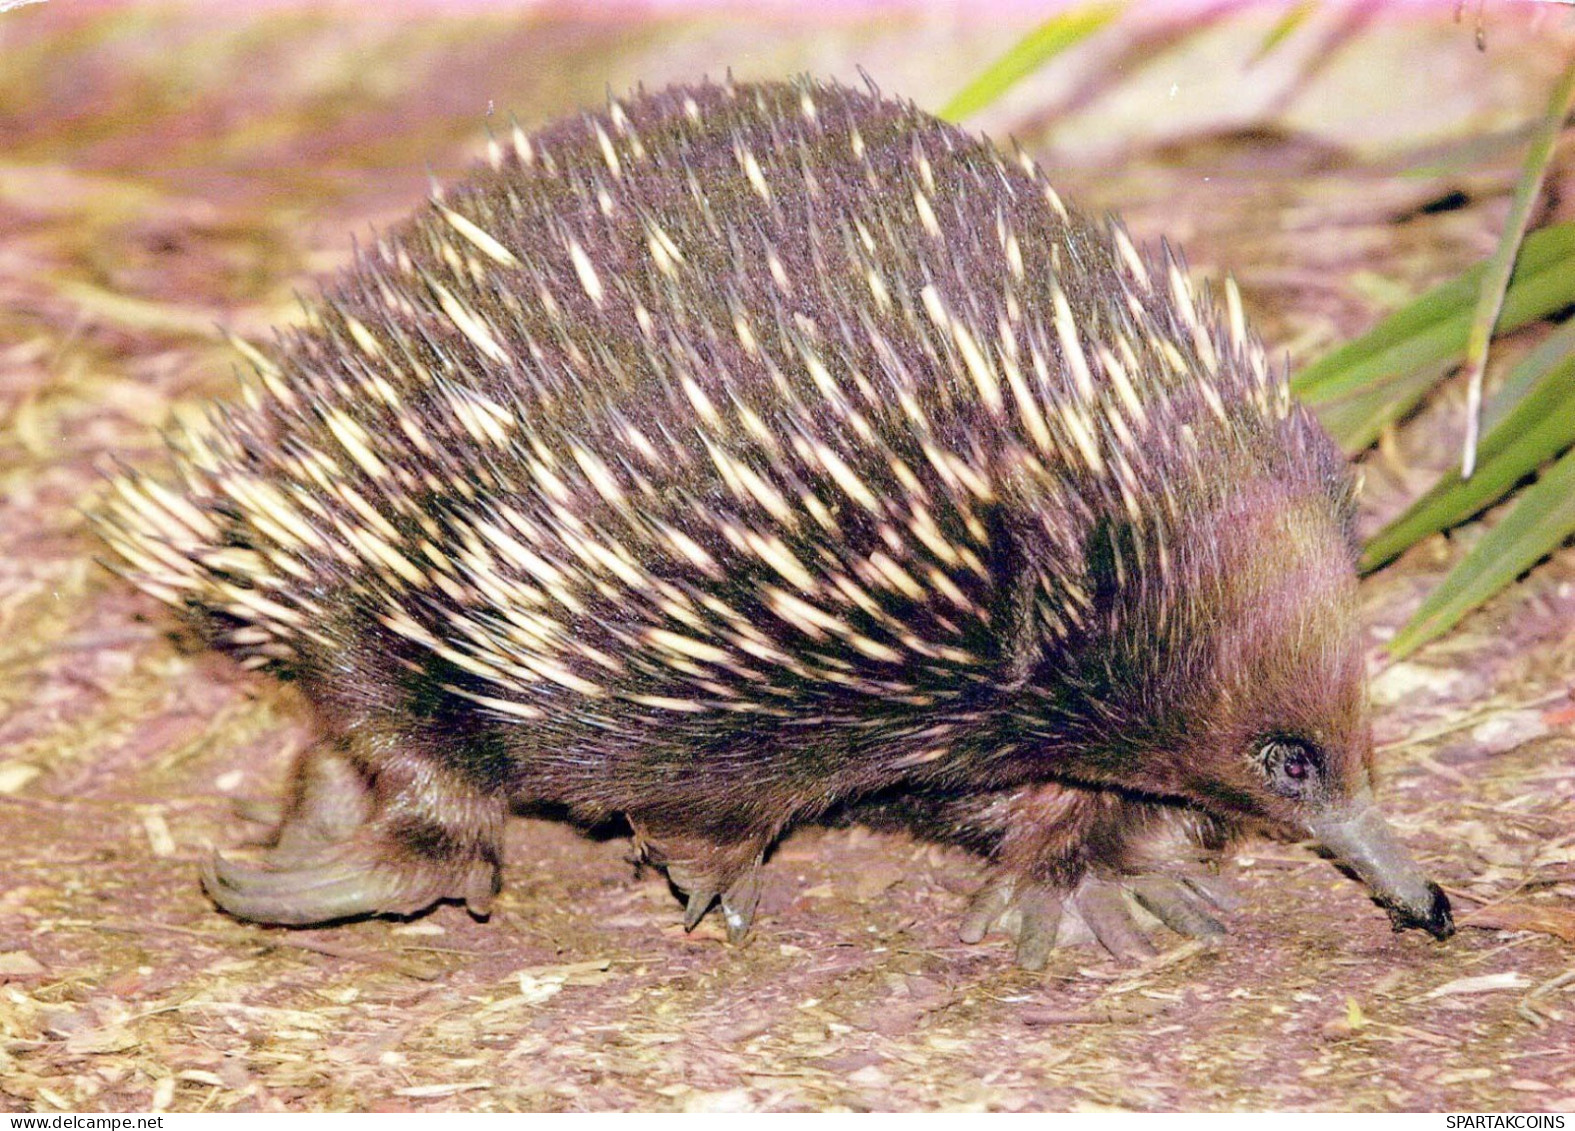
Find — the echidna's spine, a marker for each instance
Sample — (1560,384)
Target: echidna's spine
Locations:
(708,403)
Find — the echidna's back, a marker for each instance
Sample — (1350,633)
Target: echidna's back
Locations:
(721,403)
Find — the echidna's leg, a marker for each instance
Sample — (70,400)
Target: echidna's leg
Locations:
(1086,857)
(708,870)
(1071,863)
(364,837)
(328,800)
(1041,913)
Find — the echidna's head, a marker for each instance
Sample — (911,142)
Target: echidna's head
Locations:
(1285,732)
(1264,714)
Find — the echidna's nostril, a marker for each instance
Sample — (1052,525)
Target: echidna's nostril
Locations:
(1440,920)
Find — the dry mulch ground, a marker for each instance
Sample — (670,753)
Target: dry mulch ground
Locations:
(165,172)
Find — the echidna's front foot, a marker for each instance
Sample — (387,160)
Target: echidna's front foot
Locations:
(1028,911)
(1040,915)
(353,843)
(707,873)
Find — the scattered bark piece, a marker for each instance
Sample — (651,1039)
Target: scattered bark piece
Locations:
(1517,915)
(19,964)
(1481,984)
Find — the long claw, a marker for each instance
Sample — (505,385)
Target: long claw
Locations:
(270,879)
(351,843)
(259,811)
(739,903)
(1041,915)
(1103,909)
(481,888)
(707,873)
(700,901)
(1216,891)
(363,876)
(985,909)
(304,896)
(1041,920)
(1177,906)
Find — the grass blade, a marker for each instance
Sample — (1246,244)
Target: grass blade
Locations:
(1294,17)
(1531,420)
(1356,419)
(1539,522)
(1027,55)
(1434,328)
(1491,297)
(1529,376)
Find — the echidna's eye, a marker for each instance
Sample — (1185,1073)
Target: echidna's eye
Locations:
(1290,765)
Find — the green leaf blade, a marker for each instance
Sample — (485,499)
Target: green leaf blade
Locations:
(1536,427)
(1045,42)
(1357,418)
(1435,327)
(1283,29)
(1542,519)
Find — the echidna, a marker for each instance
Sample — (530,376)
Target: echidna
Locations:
(742,451)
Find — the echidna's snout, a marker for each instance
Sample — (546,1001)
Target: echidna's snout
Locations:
(1361,837)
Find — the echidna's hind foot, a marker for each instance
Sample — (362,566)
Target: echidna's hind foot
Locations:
(329,799)
(337,885)
(707,872)
(737,902)
(1109,911)
(355,843)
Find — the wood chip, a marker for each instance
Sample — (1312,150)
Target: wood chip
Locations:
(19,964)
(1515,915)
(15,775)
(1042,1017)
(427,1091)
(1481,984)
